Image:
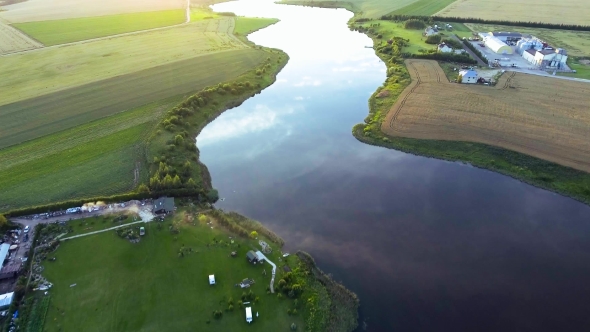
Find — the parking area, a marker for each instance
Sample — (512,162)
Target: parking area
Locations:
(505,60)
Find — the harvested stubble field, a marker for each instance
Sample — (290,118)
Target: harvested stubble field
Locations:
(546,11)
(43,10)
(12,40)
(49,70)
(538,116)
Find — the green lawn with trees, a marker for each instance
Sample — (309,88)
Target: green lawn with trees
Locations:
(161,283)
(76,29)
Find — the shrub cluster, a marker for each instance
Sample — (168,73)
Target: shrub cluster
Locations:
(414,24)
(433,39)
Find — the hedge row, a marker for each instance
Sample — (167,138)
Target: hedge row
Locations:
(185,192)
(480,20)
(474,50)
(461,58)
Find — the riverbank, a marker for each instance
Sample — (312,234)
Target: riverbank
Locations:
(191,242)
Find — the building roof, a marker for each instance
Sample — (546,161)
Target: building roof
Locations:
(4,252)
(259,255)
(443,45)
(531,51)
(10,268)
(506,34)
(6,299)
(164,203)
(251,255)
(545,52)
(249,312)
(497,45)
(468,73)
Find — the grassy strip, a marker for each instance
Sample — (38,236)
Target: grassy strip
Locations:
(540,173)
(76,29)
(172,151)
(582,70)
(323,4)
(423,7)
(37,316)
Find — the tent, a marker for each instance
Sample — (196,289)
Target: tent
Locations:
(249,314)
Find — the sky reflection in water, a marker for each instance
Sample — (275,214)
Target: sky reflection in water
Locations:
(428,245)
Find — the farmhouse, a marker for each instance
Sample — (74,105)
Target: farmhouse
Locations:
(429,31)
(6,300)
(164,205)
(468,76)
(444,48)
(497,45)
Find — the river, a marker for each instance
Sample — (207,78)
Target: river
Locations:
(428,245)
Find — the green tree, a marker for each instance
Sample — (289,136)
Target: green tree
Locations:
(254,234)
(191,183)
(203,219)
(143,189)
(178,140)
(212,196)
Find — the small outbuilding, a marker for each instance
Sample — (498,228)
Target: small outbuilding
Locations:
(468,76)
(430,31)
(211,279)
(252,257)
(249,314)
(259,256)
(164,205)
(6,300)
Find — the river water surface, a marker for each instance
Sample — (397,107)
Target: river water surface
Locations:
(427,245)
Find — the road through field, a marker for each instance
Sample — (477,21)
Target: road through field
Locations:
(22,51)
(12,40)
(535,115)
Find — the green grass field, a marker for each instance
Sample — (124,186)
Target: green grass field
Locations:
(362,8)
(146,286)
(49,70)
(582,70)
(98,223)
(76,29)
(389,29)
(66,109)
(423,7)
(577,43)
(247,25)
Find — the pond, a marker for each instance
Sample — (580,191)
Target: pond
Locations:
(428,245)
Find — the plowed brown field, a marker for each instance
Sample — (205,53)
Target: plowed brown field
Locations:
(540,116)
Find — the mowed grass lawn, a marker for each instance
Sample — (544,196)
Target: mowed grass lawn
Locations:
(391,29)
(47,114)
(76,29)
(423,7)
(147,287)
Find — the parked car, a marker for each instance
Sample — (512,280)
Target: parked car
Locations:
(27,229)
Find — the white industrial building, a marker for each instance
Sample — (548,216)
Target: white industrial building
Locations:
(496,45)
(468,76)
(529,43)
(546,58)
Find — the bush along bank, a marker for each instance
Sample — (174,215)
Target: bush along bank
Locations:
(172,150)
(541,173)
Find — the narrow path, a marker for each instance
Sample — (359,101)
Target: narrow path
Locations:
(187,20)
(274,271)
(105,230)
(470,52)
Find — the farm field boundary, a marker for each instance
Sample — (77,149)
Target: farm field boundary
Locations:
(523,113)
(43,10)
(56,68)
(56,32)
(61,110)
(12,40)
(567,12)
